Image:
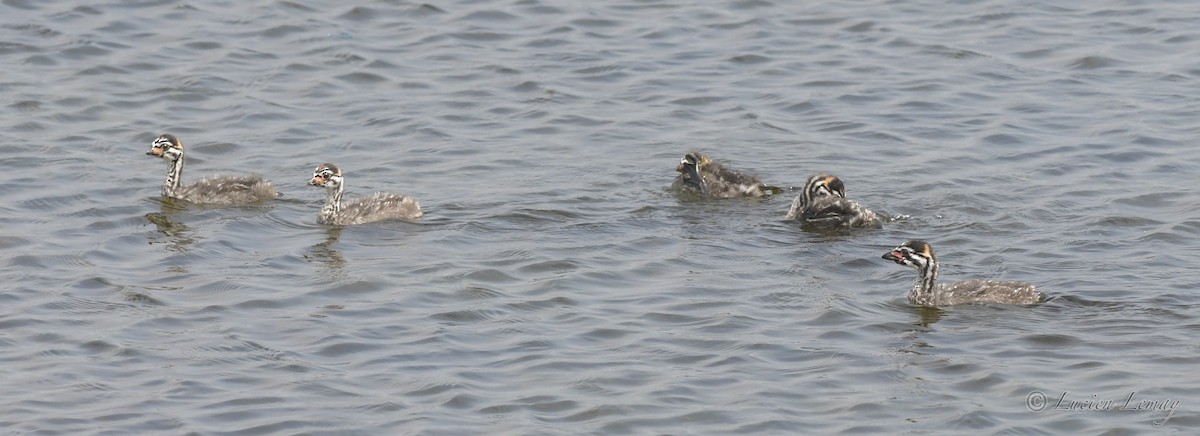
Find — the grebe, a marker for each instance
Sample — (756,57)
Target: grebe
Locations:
(209,190)
(823,202)
(699,172)
(919,255)
(378,207)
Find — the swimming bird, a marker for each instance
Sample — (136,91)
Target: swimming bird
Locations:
(919,255)
(209,190)
(700,173)
(823,203)
(378,207)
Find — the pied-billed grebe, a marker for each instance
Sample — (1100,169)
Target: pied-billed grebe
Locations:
(700,173)
(823,203)
(378,207)
(919,255)
(209,190)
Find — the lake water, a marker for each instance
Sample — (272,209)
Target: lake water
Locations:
(556,284)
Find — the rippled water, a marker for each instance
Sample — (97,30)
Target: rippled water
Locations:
(556,285)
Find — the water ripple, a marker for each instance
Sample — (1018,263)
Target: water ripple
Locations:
(556,285)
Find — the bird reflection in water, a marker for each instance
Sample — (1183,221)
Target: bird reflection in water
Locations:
(177,234)
(324,253)
(927,316)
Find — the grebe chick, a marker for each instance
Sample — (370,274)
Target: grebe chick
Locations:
(700,173)
(823,203)
(919,255)
(209,190)
(378,207)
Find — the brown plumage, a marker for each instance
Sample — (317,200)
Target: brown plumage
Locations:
(698,172)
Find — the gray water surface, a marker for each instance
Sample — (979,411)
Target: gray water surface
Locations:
(556,285)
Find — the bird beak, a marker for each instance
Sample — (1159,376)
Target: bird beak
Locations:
(894,256)
(691,176)
(317,181)
(152,152)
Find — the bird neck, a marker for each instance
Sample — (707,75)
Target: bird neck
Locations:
(922,293)
(174,177)
(806,197)
(333,201)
